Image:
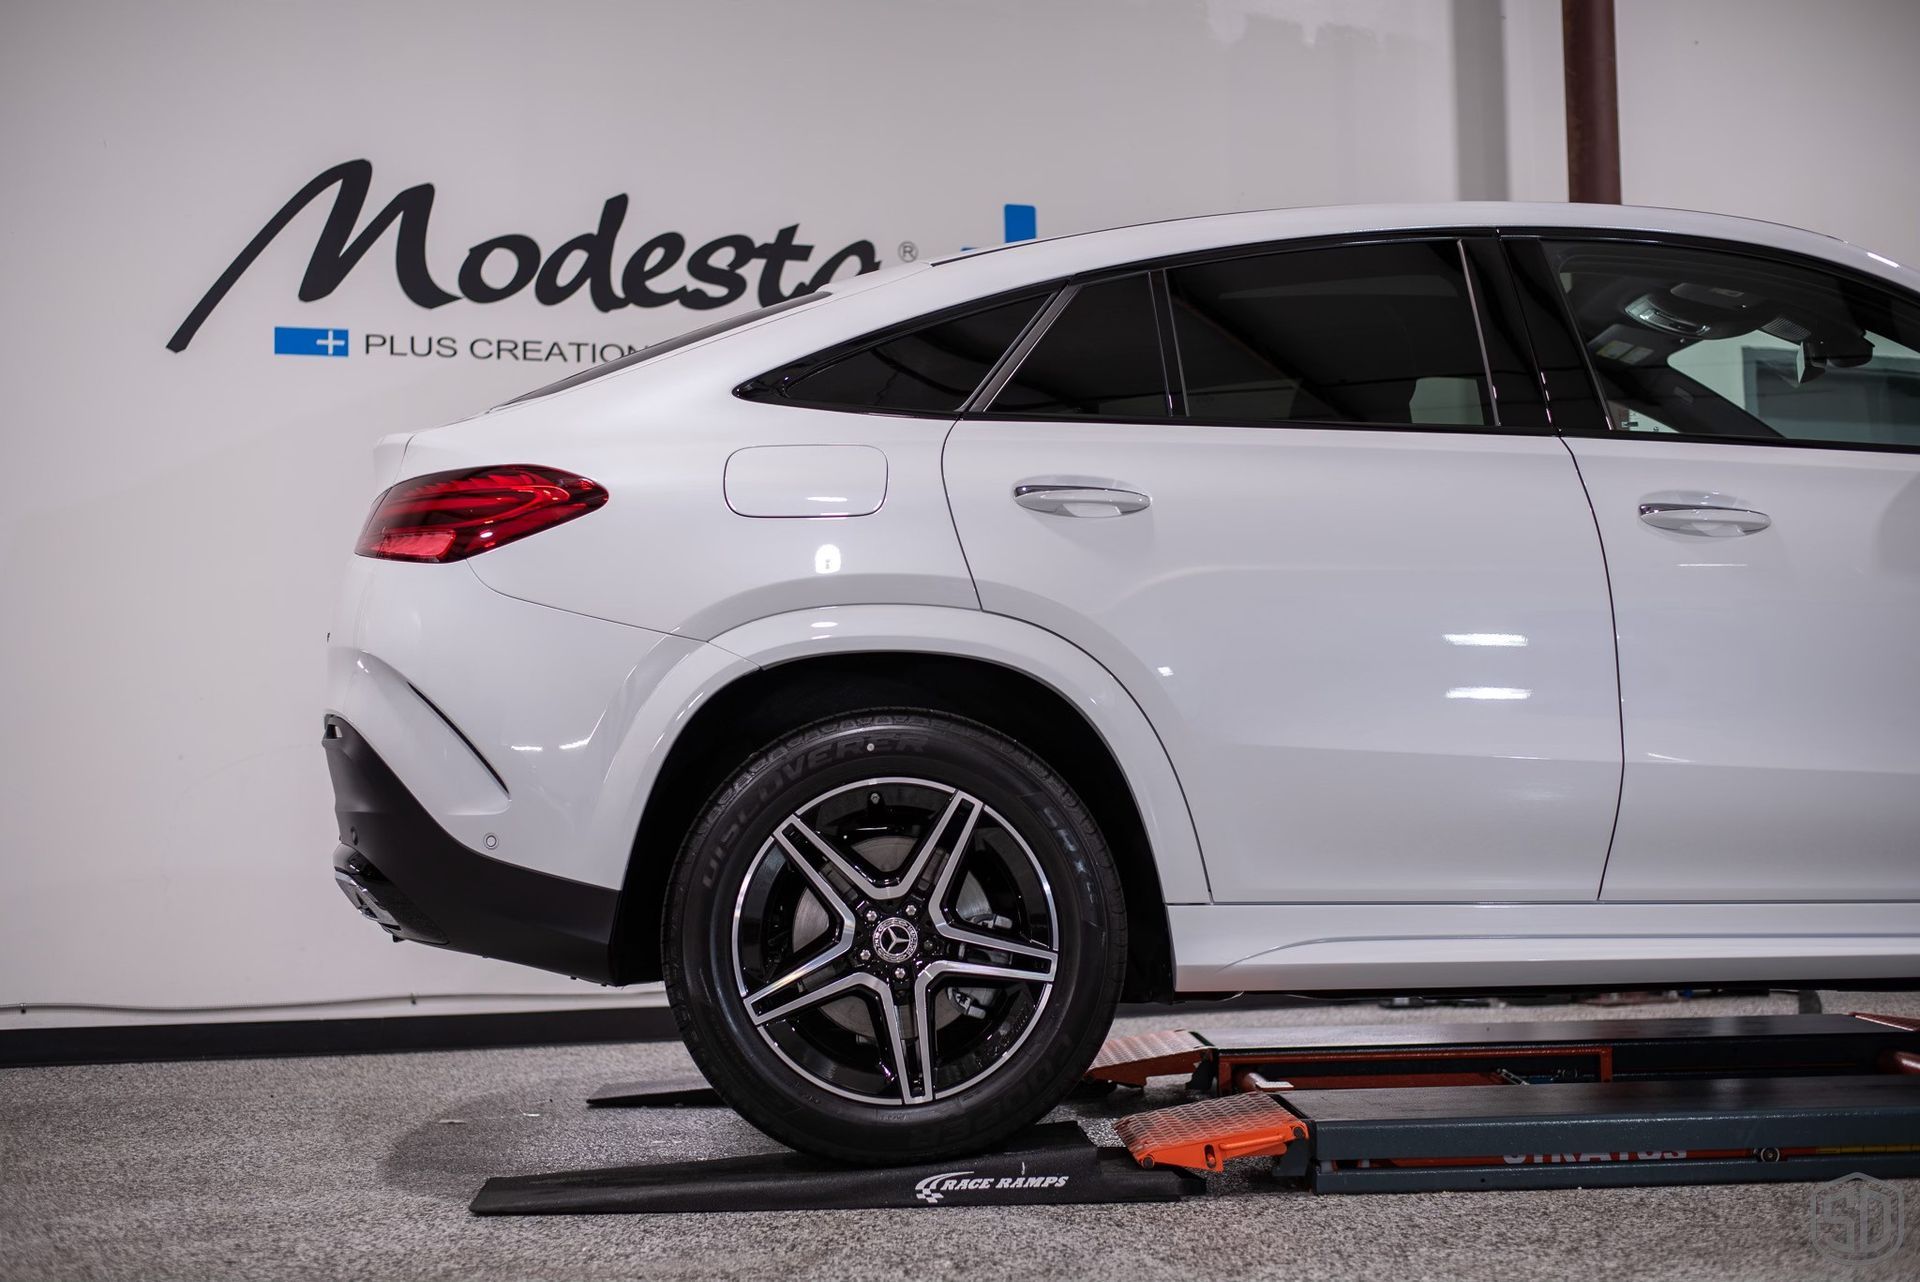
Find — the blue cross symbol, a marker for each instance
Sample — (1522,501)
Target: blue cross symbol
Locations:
(301,340)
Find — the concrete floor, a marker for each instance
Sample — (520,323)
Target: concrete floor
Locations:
(362,1167)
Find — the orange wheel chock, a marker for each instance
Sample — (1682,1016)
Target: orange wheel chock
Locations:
(1206,1135)
(1132,1059)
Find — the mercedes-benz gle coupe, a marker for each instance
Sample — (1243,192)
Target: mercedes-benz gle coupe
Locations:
(1465,596)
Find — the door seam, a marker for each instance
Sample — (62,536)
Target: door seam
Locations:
(953,522)
(1619,696)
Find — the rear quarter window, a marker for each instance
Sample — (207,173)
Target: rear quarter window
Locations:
(932,368)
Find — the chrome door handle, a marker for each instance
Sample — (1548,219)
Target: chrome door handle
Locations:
(1079,500)
(1709,522)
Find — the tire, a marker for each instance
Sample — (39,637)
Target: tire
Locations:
(957,880)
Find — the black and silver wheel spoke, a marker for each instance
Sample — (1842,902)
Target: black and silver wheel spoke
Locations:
(954,828)
(809,975)
(907,1056)
(938,977)
(1036,961)
(1040,957)
(791,993)
(820,856)
(906,955)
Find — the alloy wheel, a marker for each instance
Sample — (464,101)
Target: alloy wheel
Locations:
(894,940)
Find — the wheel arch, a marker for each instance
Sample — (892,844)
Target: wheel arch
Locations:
(1091,732)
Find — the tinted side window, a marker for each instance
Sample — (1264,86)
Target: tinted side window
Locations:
(930,370)
(1707,342)
(1099,359)
(1355,334)
(1566,382)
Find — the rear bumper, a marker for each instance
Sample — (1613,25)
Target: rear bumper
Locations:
(404,871)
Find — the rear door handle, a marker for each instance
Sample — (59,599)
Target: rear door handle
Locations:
(1706,521)
(1079,500)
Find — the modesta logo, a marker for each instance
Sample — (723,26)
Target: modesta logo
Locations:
(935,1188)
(715,273)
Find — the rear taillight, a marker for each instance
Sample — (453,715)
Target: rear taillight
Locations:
(450,516)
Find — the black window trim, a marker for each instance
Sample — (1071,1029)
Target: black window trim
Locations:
(1172,365)
(760,388)
(1513,238)
(770,387)
(1479,331)
(1526,403)
(1059,292)
(1011,359)
(1169,349)
(975,406)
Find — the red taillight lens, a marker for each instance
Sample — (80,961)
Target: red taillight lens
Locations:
(450,516)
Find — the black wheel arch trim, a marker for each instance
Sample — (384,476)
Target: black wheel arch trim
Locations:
(758,707)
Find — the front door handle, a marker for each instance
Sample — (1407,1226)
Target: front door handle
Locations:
(1079,500)
(1707,521)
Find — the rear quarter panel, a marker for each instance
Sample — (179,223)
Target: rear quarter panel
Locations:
(666,552)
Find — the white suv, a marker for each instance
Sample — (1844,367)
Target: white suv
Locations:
(1341,599)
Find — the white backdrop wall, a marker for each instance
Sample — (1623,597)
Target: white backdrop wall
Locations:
(178,516)
(1795,112)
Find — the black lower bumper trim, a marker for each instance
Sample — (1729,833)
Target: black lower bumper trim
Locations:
(379,900)
(405,871)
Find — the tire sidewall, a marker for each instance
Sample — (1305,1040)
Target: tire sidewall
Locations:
(737,825)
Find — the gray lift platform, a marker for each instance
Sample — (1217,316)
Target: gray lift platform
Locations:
(1538,1105)
(1376,1108)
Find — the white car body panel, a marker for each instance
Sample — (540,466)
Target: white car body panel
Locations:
(555,744)
(693,566)
(1056,663)
(1770,681)
(612,631)
(1339,635)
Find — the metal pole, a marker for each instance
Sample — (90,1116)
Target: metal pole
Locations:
(1593,102)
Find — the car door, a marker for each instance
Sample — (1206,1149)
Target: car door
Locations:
(1270,493)
(1758,495)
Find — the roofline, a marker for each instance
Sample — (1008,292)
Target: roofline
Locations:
(1529,213)
(1141,241)
(869,304)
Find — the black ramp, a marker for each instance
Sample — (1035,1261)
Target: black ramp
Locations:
(1707,1113)
(1054,1164)
(668,1092)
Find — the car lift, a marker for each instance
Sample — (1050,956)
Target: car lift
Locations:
(1377,1108)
